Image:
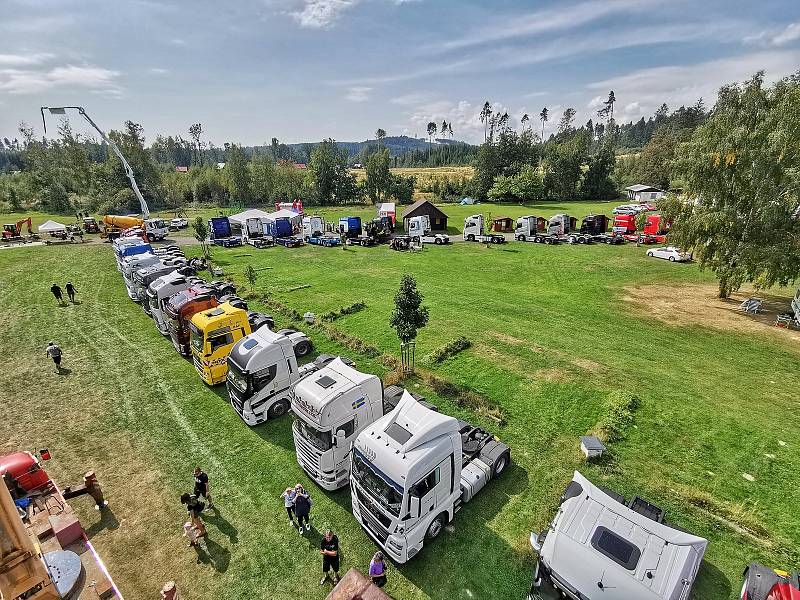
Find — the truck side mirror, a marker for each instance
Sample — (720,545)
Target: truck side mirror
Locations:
(415,506)
(537,541)
(338,439)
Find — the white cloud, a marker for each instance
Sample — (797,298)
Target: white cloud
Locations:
(15,60)
(411,98)
(358,93)
(545,21)
(178,42)
(30,81)
(683,84)
(159,71)
(462,115)
(779,37)
(320,14)
(535,95)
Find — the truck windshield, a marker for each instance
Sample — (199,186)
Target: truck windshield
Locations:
(321,440)
(236,378)
(385,491)
(196,338)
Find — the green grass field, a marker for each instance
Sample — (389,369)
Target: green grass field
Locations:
(553,332)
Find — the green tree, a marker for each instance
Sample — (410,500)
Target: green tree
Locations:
(237,175)
(379,179)
(563,162)
(195,131)
(743,166)
(329,176)
(654,166)
(543,117)
(408,315)
(486,114)
(597,182)
(251,276)
(263,178)
(431,133)
(379,135)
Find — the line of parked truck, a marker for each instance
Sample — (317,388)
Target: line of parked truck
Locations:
(409,468)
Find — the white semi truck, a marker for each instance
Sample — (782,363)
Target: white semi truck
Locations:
(255,232)
(262,368)
(600,546)
(332,406)
(419,230)
(413,469)
(474,232)
(141,261)
(528,230)
(565,227)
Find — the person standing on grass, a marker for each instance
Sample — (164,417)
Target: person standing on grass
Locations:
(302,507)
(71,291)
(329,548)
(56,290)
(288,502)
(190,532)
(195,508)
(54,351)
(201,486)
(377,570)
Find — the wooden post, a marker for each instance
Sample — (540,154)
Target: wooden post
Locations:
(407,356)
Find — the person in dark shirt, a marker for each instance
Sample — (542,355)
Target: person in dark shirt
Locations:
(71,291)
(302,507)
(195,508)
(56,290)
(329,548)
(201,486)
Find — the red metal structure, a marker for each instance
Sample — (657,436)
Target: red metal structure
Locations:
(25,469)
(763,583)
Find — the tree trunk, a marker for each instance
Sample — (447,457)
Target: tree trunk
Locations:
(724,288)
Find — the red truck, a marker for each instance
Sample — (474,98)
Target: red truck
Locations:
(654,232)
(763,583)
(181,307)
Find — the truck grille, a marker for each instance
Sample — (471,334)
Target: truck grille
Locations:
(372,523)
(198,365)
(307,455)
(236,402)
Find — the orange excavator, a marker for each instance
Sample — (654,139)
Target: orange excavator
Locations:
(12,232)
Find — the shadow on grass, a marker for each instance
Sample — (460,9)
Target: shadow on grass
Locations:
(213,554)
(711,582)
(108,520)
(217,520)
(470,564)
(63,371)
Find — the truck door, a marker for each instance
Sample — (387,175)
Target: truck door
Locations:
(426,490)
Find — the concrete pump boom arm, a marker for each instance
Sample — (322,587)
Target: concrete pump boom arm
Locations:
(107,140)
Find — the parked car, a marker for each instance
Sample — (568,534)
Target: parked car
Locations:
(179,223)
(669,253)
(627,209)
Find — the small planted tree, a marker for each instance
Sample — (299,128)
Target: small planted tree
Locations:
(251,275)
(201,235)
(408,317)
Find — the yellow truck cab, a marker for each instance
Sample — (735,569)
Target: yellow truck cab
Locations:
(213,333)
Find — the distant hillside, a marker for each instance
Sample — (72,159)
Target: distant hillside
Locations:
(397,145)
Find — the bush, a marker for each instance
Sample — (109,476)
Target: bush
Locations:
(618,414)
(345,310)
(448,350)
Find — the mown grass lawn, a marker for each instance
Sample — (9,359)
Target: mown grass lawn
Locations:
(552,336)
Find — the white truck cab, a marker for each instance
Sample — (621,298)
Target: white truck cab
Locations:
(413,469)
(332,406)
(255,231)
(156,229)
(262,368)
(140,262)
(160,291)
(474,231)
(313,226)
(598,544)
(419,230)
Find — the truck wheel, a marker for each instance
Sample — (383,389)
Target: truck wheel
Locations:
(650,254)
(435,528)
(438,241)
(671,259)
(470,238)
(302,348)
(151,238)
(520,238)
(500,464)
(581,240)
(280,408)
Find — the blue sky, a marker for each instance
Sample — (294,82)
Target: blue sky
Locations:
(301,70)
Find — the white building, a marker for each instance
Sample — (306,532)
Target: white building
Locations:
(644,193)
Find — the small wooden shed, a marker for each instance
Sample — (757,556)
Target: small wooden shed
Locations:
(425,207)
(502,225)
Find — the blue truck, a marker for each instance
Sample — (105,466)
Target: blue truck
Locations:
(282,231)
(220,233)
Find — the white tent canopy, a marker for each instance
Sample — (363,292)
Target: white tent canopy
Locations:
(286,214)
(251,213)
(51,227)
